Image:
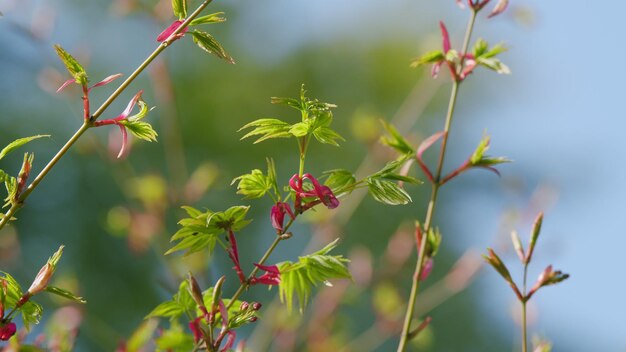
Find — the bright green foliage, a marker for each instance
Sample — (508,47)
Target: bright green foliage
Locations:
(316,120)
(486,56)
(31,311)
(11,185)
(181,303)
(73,67)
(434,241)
(267,128)
(18,143)
(175,339)
(387,192)
(180,8)
(207,43)
(298,279)
(395,139)
(138,128)
(340,181)
(428,58)
(256,184)
(200,231)
(479,158)
(142,336)
(212,18)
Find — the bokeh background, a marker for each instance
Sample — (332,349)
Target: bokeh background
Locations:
(558,116)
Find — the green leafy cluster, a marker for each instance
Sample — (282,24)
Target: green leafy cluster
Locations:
(202,39)
(316,118)
(480,159)
(486,56)
(138,128)
(256,184)
(201,230)
(298,279)
(31,311)
(11,182)
(75,69)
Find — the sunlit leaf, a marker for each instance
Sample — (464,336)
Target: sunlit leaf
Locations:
(64,293)
(298,279)
(387,192)
(212,18)
(18,143)
(207,43)
(73,67)
(180,8)
(267,128)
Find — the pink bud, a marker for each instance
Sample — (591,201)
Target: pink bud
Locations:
(171,29)
(499,8)
(426,269)
(41,281)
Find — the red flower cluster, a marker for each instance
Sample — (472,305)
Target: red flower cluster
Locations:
(323,193)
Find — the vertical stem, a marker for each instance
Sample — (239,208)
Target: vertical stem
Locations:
(406,327)
(524,322)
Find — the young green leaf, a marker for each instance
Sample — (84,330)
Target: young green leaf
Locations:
(141,130)
(175,339)
(212,18)
(11,185)
(291,102)
(298,279)
(494,65)
(73,67)
(3,176)
(196,242)
(18,143)
(207,43)
(142,336)
(339,180)
(253,185)
(395,139)
(64,293)
(181,303)
(387,192)
(267,128)
(180,8)
(428,58)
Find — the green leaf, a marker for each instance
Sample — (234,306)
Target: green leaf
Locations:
(478,157)
(267,128)
(180,8)
(291,102)
(326,135)
(395,139)
(298,279)
(191,211)
(73,67)
(175,339)
(480,48)
(18,143)
(403,178)
(64,293)
(494,65)
(142,336)
(339,180)
(232,218)
(141,130)
(434,241)
(212,18)
(207,43)
(181,303)
(495,50)
(300,129)
(428,58)
(195,243)
(387,192)
(3,176)
(11,185)
(31,313)
(253,185)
